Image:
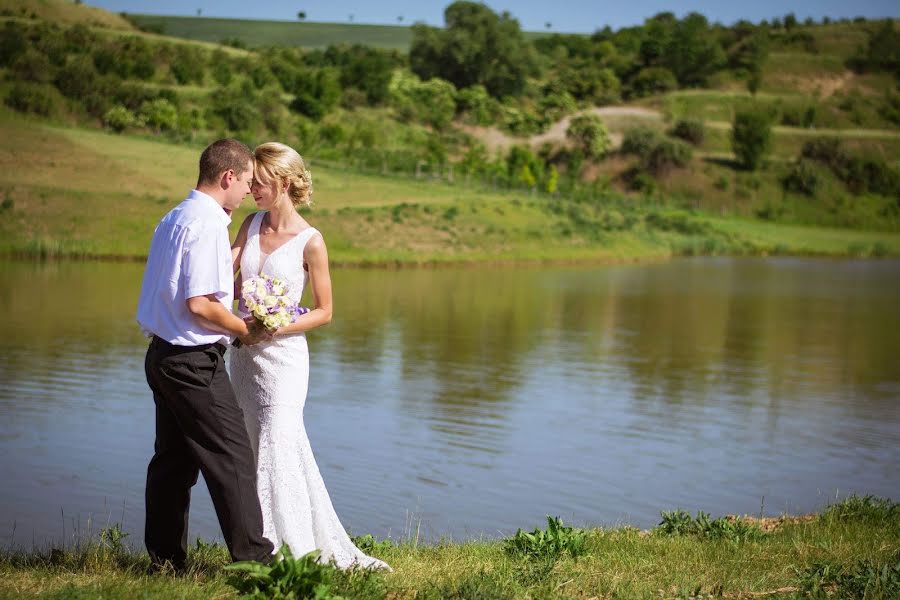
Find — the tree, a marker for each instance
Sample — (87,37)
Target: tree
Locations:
(694,52)
(751,137)
(476,46)
(589,135)
(790,21)
(316,93)
(301,15)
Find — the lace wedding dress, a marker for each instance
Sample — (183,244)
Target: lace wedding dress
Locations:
(270,380)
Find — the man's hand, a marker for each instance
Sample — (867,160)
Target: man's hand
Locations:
(256,333)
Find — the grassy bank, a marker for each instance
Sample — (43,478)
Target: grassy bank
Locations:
(850,550)
(86,193)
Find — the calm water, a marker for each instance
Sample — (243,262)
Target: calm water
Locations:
(474,401)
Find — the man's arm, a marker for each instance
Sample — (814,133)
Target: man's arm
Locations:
(213,314)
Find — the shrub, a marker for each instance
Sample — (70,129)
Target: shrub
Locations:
(119,118)
(653,80)
(159,114)
(666,155)
(798,115)
(858,173)
(751,137)
(549,544)
(679,523)
(690,130)
(802,178)
(333,133)
(829,151)
(657,153)
(188,65)
(31,65)
(477,105)
(523,167)
(236,111)
(12,42)
(316,93)
(40,99)
(590,135)
(221,68)
(78,78)
(639,140)
(286,577)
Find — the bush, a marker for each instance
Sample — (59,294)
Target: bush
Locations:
(12,42)
(829,151)
(639,140)
(159,114)
(477,105)
(432,102)
(860,174)
(589,134)
(237,111)
(78,78)
(286,577)
(690,130)
(31,65)
(657,153)
(40,99)
(798,115)
(316,93)
(802,178)
(653,80)
(666,155)
(751,137)
(188,65)
(221,68)
(548,544)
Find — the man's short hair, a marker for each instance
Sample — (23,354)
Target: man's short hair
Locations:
(220,156)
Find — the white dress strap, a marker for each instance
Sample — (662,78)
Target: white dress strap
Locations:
(305,236)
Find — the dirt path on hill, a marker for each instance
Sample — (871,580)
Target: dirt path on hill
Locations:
(616,118)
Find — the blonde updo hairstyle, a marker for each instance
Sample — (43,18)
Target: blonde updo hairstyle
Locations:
(280,163)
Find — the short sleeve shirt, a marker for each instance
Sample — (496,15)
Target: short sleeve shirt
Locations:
(190,255)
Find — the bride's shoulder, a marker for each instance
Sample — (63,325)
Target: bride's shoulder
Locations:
(315,242)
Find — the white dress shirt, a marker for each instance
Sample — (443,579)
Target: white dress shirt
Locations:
(190,255)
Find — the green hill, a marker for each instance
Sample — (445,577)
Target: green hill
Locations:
(254,33)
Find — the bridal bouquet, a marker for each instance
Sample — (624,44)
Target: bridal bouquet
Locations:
(266,298)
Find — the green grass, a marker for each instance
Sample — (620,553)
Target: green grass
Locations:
(310,35)
(850,550)
(76,192)
(256,33)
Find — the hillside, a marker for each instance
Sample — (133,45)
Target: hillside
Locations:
(254,33)
(64,12)
(73,192)
(455,173)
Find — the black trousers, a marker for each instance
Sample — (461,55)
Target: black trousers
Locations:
(199,427)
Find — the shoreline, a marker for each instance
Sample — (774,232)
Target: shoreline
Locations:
(850,549)
(400,264)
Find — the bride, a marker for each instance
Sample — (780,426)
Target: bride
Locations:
(270,378)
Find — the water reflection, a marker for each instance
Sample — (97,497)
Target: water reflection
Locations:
(478,400)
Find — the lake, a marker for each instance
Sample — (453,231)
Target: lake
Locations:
(469,402)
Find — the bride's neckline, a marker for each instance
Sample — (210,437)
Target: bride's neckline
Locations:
(266,255)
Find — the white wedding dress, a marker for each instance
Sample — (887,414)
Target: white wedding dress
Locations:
(270,380)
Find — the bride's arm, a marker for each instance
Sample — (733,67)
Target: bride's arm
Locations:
(316,256)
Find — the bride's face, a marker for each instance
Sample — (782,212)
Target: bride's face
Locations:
(266,193)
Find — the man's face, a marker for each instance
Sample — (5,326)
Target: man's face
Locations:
(240,188)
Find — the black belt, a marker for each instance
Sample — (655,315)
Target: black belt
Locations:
(217,346)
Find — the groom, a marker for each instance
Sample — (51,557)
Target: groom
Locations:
(185,306)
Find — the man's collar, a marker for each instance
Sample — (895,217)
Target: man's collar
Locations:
(198,195)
